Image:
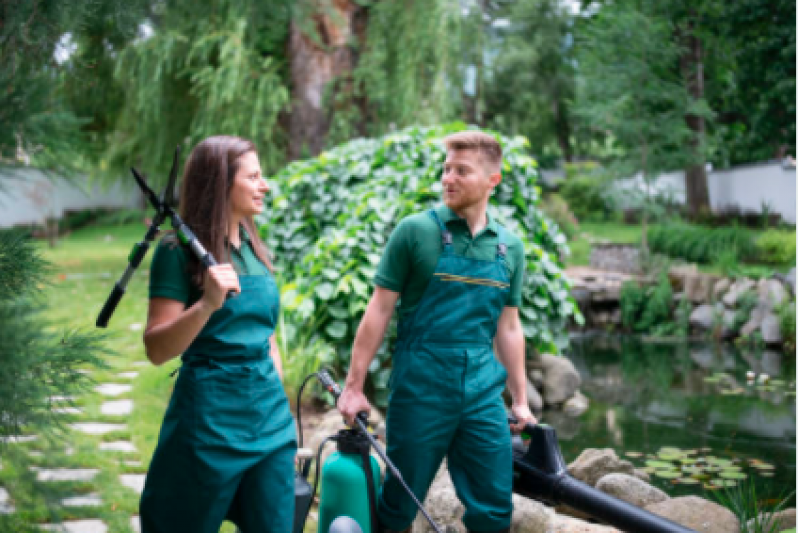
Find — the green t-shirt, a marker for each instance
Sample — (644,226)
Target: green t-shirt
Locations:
(412,252)
(169,275)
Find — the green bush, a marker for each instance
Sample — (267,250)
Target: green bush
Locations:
(786,314)
(332,216)
(586,197)
(700,244)
(645,309)
(776,247)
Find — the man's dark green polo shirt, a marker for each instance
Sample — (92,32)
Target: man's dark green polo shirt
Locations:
(414,248)
(169,277)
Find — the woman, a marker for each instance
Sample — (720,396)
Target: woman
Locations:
(227,444)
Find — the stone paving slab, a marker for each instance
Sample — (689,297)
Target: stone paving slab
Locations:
(113,389)
(97,428)
(65,474)
(85,500)
(67,410)
(118,446)
(78,526)
(133,481)
(128,375)
(6,507)
(117,407)
(16,439)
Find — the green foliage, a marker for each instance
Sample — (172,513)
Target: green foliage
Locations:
(332,216)
(554,207)
(646,308)
(700,244)
(745,304)
(586,197)
(750,506)
(776,247)
(37,362)
(207,70)
(786,314)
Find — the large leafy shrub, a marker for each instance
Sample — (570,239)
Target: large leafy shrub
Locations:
(698,243)
(332,216)
(586,196)
(645,308)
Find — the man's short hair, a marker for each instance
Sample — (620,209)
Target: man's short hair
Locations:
(488,147)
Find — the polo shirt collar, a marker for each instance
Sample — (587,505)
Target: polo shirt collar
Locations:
(447,215)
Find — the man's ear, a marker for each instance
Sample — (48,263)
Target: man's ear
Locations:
(495,179)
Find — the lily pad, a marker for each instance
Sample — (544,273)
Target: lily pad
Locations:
(718,462)
(766,474)
(661,465)
(668,474)
(763,466)
(729,483)
(634,455)
(733,475)
(689,481)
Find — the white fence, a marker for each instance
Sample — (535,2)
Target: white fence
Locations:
(28,197)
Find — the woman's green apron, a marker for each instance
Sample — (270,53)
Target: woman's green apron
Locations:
(227,443)
(446,393)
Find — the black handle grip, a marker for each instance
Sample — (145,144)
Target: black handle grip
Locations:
(110,306)
(527,429)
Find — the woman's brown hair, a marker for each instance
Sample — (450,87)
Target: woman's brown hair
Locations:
(204,199)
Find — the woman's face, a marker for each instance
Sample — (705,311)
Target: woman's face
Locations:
(249,187)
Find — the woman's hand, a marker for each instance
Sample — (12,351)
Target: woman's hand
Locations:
(219,280)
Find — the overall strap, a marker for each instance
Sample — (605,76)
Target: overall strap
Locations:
(446,235)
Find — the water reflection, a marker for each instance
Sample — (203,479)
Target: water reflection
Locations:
(645,396)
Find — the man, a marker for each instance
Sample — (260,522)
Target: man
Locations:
(459,275)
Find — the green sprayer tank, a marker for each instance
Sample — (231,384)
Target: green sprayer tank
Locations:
(344,491)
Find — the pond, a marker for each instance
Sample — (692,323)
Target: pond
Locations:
(689,396)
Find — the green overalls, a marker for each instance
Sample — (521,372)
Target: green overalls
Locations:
(227,444)
(446,391)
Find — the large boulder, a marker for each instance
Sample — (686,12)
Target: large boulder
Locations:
(696,513)
(771,293)
(782,520)
(567,524)
(720,288)
(561,380)
(754,321)
(771,329)
(698,288)
(738,288)
(446,509)
(533,397)
(593,464)
(630,489)
(702,317)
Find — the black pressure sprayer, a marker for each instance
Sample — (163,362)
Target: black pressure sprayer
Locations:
(163,211)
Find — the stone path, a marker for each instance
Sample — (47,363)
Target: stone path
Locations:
(120,409)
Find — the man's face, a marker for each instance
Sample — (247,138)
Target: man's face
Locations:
(466,179)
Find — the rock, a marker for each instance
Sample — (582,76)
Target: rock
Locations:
(771,329)
(702,317)
(593,464)
(703,356)
(720,288)
(696,513)
(642,475)
(679,273)
(771,294)
(770,362)
(536,377)
(567,524)
(576,404)
(446,509)
(782,520)
(630,489)
(561,379)
(698,287)
(754,322)
(533,397)
(737,289)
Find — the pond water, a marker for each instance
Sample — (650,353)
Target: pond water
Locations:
(690,396)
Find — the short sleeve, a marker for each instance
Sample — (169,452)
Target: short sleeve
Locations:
(395,264)
(517,281)
(168,276)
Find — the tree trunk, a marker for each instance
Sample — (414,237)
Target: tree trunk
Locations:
(319,57)
(695,175)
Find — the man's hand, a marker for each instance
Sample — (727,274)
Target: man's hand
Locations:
(524,416)
(351,403)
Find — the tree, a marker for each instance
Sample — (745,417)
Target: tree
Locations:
(631,88)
